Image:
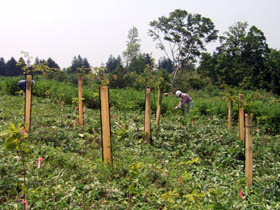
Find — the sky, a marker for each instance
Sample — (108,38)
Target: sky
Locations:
(96,29)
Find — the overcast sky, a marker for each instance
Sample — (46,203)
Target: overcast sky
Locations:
(62,29)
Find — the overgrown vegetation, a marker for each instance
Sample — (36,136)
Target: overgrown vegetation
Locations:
(211,101)
(188,166)
(194,162)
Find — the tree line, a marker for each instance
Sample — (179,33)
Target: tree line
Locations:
(241,59)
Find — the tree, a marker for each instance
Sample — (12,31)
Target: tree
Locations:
(12,69)
(118,78)
(133,45)
(243,53)
(78,63)
(166,63)
(113,63)
(273,70)
(2,67)
(39,61)
(240,60)
(186,35)
(207,67)
(233,41)
(52,64)
(255,55)
(137,64)
(21,64)
(148,59)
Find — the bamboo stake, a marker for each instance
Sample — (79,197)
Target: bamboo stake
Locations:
(106,127)
(249,150)
(147,125)
(28,95)
(159,106)
(230,106)
(241,117)
(80,96)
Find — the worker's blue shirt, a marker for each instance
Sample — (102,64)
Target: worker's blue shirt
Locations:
(22,84)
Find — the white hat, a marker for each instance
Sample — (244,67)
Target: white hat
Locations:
(178,93)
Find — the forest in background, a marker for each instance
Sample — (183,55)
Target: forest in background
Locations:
(241,59)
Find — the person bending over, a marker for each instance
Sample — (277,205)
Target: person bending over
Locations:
(22,84)
(184,99)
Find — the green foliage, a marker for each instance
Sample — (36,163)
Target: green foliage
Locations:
(166,64)
(113,63)
(273,67)
(119,79)
(242,60)
(188,166)
(189,81)
(133,45)
(37,67)
(16,139)
(9,85)
(212,101)
(79,64)
(186,35)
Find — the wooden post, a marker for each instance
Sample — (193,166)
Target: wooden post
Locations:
(80,96)
(147,125)
(159,105)
(28,95)
(249,150)
(105,123)
(230,106)
(241,117)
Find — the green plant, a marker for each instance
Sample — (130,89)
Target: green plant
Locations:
(16,142)
(189,166)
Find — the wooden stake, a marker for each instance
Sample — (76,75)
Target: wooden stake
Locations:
(230,106)
(147,125)
(241,118)
(249,150)
(28,95)
(80,96)
(105,122)
(159,105)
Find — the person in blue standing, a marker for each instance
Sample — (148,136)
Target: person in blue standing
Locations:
(184,99)
(22,84)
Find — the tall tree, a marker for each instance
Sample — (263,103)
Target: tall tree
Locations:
(113,63)
(273,70)
(240,60)
(118,78)
(21,64)
(137,64)
(255,55)
(86,63)
(243,53)
(52,64)
(12,69)
(185,34)
(148,59)
(39,61)
(76,63)
(233,40)
(166,63)
(132,45)
(2,67)
(79,62)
